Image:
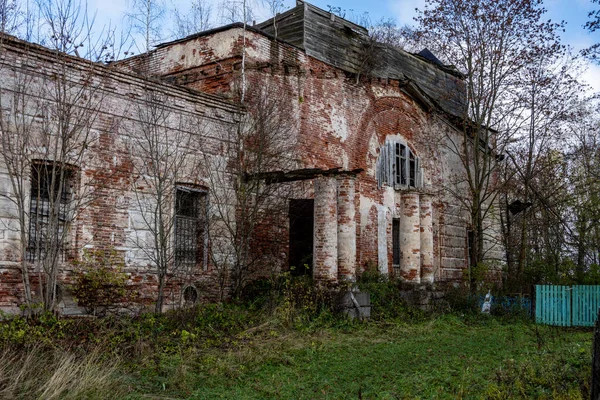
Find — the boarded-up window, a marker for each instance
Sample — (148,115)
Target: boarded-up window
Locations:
(190,227)
(397,166)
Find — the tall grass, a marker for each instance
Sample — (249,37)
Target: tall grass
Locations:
(38,373)
(294,344)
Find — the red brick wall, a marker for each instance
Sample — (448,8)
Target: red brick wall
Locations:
(104,220)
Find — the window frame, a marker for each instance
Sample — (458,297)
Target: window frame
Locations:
(201,234)
(40,194)
(398,166)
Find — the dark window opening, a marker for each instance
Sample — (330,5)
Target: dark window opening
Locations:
(403,164)
(301,214)
(51,192)
(399,165)
(471,248)
(396,245)
(190,227)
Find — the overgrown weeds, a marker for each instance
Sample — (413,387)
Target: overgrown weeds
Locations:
(387,303)
(260,348)
(35,372)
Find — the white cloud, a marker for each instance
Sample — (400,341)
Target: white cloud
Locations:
(592,77)
(404,10)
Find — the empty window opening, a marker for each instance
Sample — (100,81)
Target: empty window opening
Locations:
(190,227)
(49,210)
(396,246)
(471,248)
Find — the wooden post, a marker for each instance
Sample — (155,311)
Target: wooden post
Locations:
(595,390)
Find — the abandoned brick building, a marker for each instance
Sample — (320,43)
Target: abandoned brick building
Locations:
(372,128)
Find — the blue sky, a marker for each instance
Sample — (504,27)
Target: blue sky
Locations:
(574,12)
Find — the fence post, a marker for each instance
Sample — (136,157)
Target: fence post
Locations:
(595,390)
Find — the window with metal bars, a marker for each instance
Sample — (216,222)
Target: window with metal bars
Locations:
(190,227)
(397,166)
(49,214)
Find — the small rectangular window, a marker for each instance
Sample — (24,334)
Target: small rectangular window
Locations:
(190,227)
(396,245)
(471,248)
(51,193)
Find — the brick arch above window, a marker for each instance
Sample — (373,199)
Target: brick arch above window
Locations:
(398,166)
(384,117)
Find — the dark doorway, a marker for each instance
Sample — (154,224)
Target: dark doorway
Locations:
(301,235)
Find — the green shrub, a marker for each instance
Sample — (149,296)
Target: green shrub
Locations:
(101,285)
(221,319)
(302,302)
(260,294)
(459,299)
(544,375)
(386,297)
(40,328)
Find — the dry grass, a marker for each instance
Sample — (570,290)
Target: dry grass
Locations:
(36,373)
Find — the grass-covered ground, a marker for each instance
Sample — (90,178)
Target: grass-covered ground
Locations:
(293,347)
(444,357)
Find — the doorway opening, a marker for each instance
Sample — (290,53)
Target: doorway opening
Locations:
(301,214)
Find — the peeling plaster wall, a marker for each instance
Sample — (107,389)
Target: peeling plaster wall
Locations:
(338,123)
(346,228)
(341,123)
(111,218)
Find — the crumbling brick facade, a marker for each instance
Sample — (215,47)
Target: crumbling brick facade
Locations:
(343,121)
(351,129)
(109,217)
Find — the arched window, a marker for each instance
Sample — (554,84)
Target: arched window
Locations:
(397,166)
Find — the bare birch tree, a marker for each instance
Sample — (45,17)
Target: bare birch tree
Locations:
(592,25)
(275,7)
(9,16)
(196,18)
(164,145)
(231,11)
(146,18)
(244,209)
(16,137)
(46,128)
(545,95)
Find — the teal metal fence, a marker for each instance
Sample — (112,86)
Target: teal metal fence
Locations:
(567,305)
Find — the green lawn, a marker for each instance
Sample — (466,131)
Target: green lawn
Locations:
(446,357)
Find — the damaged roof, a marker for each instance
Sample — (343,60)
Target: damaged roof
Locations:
(343,44)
